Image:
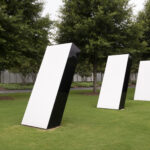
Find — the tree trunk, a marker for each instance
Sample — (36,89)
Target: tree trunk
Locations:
(33,76)
(23,78)
(0,77)
(94,77)
(101,76)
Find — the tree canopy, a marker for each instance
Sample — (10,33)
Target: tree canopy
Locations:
(143,19)
(99,28)
(24,35)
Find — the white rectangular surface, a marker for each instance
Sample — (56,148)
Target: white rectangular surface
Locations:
(142,90)
(45,90)
(112,85)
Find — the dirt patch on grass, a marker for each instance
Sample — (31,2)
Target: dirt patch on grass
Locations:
(2,89)
(6,98)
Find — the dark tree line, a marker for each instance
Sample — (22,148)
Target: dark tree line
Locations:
(98,27)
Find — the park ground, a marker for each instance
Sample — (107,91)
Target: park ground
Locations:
(29,86)
(84,127)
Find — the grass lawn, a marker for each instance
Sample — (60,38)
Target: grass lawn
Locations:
(29,86)
(84,84)
(84,127)
(16,86)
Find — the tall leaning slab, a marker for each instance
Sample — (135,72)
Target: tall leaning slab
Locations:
(115,82)
(49,95)
(142,90)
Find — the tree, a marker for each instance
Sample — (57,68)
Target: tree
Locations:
(144,20)
(97,27)
(24,35)
(84,70)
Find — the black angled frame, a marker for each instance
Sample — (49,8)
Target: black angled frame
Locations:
(126,82)
(64,88)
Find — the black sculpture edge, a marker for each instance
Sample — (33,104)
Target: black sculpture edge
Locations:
(64,88)
(125,84)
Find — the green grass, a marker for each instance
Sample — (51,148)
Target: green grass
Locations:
(16,86)
(29,86)
(84,127)
(84,84)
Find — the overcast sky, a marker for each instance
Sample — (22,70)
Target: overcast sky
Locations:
(52,6)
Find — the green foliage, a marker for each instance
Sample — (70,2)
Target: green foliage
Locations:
(15,86)
(98,27)
(83,84)
(23,35)
(144,20)
(95,26)
(84,69)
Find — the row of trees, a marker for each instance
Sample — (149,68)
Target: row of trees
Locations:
(98,27)
(24,35)
(104,27)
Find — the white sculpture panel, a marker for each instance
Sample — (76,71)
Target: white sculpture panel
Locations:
(47,101)
(142,90)
(115,82)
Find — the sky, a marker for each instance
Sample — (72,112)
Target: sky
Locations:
(51,7)
(138,5)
